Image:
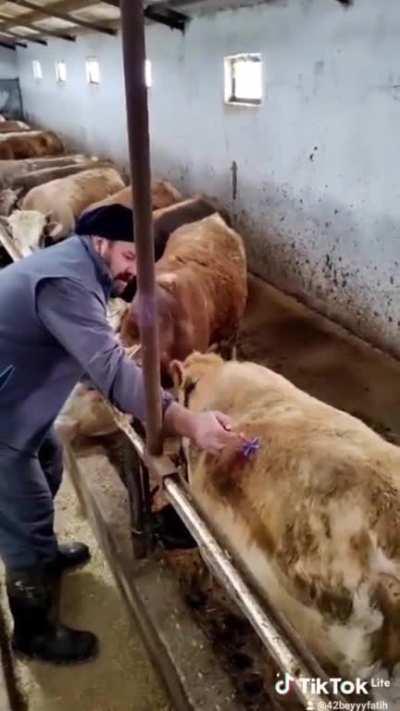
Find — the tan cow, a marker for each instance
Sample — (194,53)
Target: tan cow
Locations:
(64,199)
(201,289)
(29,144)
(162,195)
(313,515)
(86,414)
(28,229)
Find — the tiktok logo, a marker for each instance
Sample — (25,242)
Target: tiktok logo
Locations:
(319,687)
(283,685)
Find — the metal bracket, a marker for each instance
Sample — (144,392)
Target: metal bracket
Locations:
(165,15)
(9,46)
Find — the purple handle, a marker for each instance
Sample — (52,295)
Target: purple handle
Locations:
(251,447)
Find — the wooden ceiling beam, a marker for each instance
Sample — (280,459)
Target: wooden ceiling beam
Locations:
(26,38)
(64,6)
(6,45)
(38,30)
(52,11)
(12,42)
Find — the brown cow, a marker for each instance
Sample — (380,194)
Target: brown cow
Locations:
(162,195)
(14,127)
(64,199)
(167,220)
(29,144)
(313,515)
(201,290)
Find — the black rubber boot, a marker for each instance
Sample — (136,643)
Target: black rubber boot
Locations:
(37,632)
(71,555)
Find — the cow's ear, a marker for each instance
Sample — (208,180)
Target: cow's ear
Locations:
(176,372)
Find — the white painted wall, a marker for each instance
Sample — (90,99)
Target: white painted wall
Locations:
(89,117)
(317,163)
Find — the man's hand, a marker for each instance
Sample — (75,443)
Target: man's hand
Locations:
(211,431)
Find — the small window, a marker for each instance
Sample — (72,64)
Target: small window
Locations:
(243,79)
(92,71)
(37,70)
(147,73)
(61,72)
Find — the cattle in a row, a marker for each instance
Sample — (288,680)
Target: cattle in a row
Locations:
(163,194)
(312,513)
(63,200)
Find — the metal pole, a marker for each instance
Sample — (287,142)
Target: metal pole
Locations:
(133,42)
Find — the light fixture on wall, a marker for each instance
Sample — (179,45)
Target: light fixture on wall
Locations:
(92,70)
(243,79)
(37,70)
(61,72)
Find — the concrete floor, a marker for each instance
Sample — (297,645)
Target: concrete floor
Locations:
(122,678)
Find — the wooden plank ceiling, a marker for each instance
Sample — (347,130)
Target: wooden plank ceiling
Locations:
(23,21)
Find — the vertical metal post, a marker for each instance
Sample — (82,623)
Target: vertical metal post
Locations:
(133,40)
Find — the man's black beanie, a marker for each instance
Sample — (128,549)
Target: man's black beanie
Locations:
(113,222)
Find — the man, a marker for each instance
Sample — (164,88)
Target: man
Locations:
(53,332)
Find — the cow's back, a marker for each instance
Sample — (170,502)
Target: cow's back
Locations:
(312,515)
(30,144)
(121,197)
(216,256)
(163,194)
(73,192)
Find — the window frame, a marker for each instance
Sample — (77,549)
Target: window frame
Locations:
(148,73)
(230,98)
(59,79)
(89,80)
(36,64)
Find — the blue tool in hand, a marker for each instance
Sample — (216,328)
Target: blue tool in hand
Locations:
(250,447)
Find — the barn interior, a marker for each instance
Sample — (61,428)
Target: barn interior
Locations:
(284,114)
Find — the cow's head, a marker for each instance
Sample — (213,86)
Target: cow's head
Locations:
(28,229)
(190,376)
(166,310)
(164,194)
(32,229)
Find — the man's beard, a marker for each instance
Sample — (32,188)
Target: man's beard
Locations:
(120,282)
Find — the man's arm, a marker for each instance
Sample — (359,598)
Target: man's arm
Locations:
(77,320)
